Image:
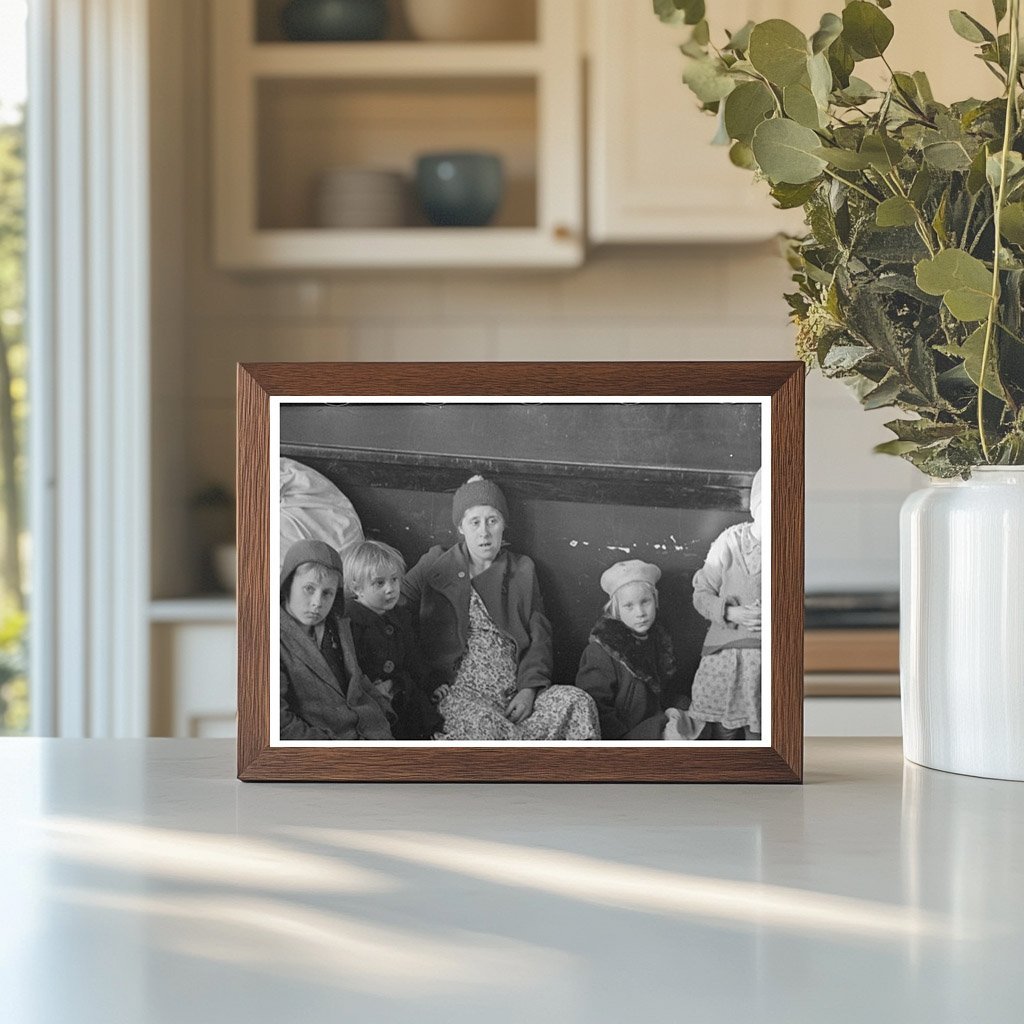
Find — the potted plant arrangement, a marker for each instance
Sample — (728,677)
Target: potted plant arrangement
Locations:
(908,289)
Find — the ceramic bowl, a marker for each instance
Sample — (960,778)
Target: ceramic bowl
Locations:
(460,189)
(360,197)
(334,20)
(468,20)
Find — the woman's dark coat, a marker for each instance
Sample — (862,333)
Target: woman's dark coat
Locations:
(438,589)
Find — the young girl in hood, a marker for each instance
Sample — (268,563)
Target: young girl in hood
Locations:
(628,665)
(324,693)
(727,592)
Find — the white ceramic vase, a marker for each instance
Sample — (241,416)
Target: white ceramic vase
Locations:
(962,624)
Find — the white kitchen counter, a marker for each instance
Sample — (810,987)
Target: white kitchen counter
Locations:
(143,884)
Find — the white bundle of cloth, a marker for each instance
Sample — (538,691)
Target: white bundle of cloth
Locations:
(312,508)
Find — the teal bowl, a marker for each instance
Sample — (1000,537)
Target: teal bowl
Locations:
(333,21)
(462,190)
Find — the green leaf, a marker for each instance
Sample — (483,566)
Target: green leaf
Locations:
(830,28)
(707,80)
(883,153)
(946,156)
(789,197)
(858,91)
(721,137)
(800,105)
(906,89)
(939,220)
(778,50)
(1011,226)
(971,352)
(923,431)
(739,41)
(742,155)
(701,33)
(679,12)
(844,159)
(841,60)
(885,394)
(994,167)
(820,75)
(866,29)
(963,281)
(976,175)
(745,108)
(895,447)
(924,88)
(785,152)
(968,28)
(896,212)
(921,186)
(999,7)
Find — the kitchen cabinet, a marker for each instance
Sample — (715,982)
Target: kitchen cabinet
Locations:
(653,175)
(286,113)
(193,674)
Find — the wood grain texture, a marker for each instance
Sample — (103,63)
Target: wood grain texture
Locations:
(783,762)
(852,650)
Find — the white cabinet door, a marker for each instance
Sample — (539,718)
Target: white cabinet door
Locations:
(653,174)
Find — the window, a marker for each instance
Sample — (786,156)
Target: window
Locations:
(14,549)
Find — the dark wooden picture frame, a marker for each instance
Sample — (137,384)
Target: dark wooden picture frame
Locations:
(781,760)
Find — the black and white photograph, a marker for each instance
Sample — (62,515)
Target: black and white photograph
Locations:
(510,571)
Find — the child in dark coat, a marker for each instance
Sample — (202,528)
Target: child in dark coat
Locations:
(385,640)
(628,666)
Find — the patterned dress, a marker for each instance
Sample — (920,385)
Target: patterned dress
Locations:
(474,708)
(727,686)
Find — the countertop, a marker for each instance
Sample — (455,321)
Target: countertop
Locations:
(143,884)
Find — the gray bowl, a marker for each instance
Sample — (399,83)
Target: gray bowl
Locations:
(460,189)
(334,20)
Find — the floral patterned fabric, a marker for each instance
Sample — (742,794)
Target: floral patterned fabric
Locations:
(474,709)
(727,688)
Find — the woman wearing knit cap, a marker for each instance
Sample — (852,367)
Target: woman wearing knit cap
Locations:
(484,632)
(324,695)
(727,592)
(628,665)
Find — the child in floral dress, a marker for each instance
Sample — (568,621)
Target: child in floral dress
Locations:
(727,592)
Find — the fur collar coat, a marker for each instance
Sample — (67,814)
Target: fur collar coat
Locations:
(630,679)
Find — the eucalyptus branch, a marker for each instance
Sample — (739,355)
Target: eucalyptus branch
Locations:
(968,218)
(977,238)
(993,308)
(855,187)
(771,89)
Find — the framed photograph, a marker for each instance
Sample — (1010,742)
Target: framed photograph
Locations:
(513,572)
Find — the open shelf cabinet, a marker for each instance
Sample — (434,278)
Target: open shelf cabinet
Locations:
(286,113)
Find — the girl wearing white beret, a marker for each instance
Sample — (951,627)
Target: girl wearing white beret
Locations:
(628,664)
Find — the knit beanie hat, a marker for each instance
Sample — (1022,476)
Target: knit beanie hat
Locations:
(631,571)
(303,551)
(478,491)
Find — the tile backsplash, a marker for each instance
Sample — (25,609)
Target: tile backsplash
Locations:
(717,302)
